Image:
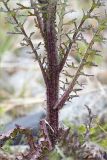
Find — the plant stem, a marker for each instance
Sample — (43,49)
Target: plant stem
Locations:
(53,69)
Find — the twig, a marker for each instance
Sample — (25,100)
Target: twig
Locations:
(62,63)
(28,40)
(65,96)
(39,19)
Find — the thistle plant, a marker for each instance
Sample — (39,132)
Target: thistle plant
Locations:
(48,16)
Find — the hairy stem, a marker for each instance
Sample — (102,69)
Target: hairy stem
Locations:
(53,73)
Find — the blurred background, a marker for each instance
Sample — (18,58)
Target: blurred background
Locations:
(22,90)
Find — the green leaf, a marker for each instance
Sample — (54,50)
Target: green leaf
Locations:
(103,143)
(82,47)
(82,129)
(54,156)
(92,131)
